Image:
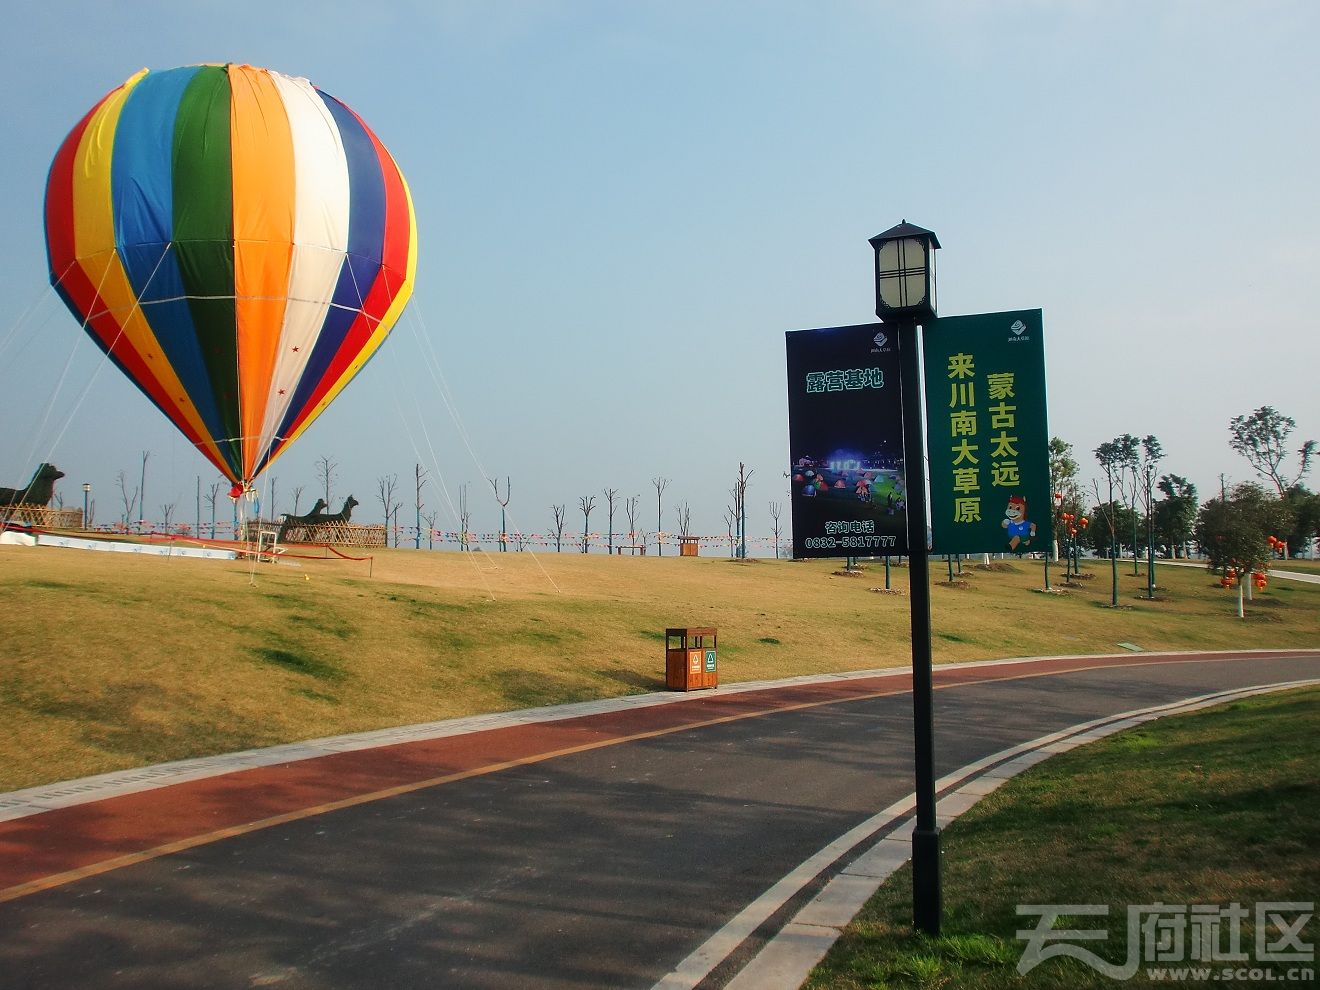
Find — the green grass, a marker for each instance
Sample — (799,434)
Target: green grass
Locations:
(111,661)
(1208,808)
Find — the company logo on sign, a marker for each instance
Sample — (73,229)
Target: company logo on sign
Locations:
(879,340)
(1018,331)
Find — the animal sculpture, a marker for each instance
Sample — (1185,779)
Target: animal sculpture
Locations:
(39,490)
(308,519)
(343,515)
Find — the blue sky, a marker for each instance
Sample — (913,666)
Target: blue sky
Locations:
(623,206)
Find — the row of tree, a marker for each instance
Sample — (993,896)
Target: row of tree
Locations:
(1241,529)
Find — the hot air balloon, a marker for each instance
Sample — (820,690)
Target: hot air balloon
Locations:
(238,242)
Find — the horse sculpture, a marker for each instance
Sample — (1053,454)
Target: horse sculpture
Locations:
(317,524)
(309,519)
(39,490)
(343,515)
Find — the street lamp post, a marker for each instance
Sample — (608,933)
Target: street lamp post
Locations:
(87,493)
(905,297)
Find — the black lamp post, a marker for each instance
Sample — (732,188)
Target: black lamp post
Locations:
(87,491)
(905,297)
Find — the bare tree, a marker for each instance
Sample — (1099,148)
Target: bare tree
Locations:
(504,504)
(274,504)
(464,519)
(730,518)
(684,514)
(394,510)
(559,511)
(587,504)
(385,486)
(420,477)
(630,509)
(297,496)
(611,494)
(211,495)
(775,509)
(429,518)
(129,498)
(739,493)
(167,515)
(326,472)
(660,485)
(142,490)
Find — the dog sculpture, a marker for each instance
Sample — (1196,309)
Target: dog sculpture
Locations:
(38,491)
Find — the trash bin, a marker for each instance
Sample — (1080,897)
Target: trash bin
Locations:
(690,659)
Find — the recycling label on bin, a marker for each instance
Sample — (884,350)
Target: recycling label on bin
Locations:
(710,661)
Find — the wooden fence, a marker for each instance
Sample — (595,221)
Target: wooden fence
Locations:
(43,516)
(342,534)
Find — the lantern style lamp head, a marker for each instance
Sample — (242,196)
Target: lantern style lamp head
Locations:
(905,272)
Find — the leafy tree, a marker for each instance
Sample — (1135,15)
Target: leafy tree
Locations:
(1235,531)
(1116,458)
(1262,438)
(1305,507)
(1099,539)
(1151,454)
(1175,514)
(1063,477)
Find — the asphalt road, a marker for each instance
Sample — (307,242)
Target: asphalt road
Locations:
(601,868)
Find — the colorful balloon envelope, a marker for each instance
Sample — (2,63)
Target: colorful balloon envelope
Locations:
(238,242)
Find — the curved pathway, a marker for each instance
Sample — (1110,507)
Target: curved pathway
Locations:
(594,847)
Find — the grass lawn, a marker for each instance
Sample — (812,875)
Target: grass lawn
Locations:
(115,660)
(1214,807)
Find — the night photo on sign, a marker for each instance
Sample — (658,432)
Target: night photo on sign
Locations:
(845,442)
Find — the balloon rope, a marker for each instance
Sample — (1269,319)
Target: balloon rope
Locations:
(12,333)
(440,479)
(432,363)
(73,347)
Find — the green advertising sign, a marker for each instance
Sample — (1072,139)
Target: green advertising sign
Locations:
(986,433)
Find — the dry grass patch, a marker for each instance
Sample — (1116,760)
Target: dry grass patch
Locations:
(111,661)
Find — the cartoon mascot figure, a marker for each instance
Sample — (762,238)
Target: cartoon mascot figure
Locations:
(1020,530)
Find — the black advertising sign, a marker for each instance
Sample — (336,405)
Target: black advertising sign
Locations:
(987,437)
(845,436)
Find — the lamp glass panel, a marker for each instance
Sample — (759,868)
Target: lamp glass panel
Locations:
(887,259)
(912,250)
(914,289)
(891,291)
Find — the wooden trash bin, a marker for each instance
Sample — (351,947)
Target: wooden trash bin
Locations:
(689,546)
(690,659)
